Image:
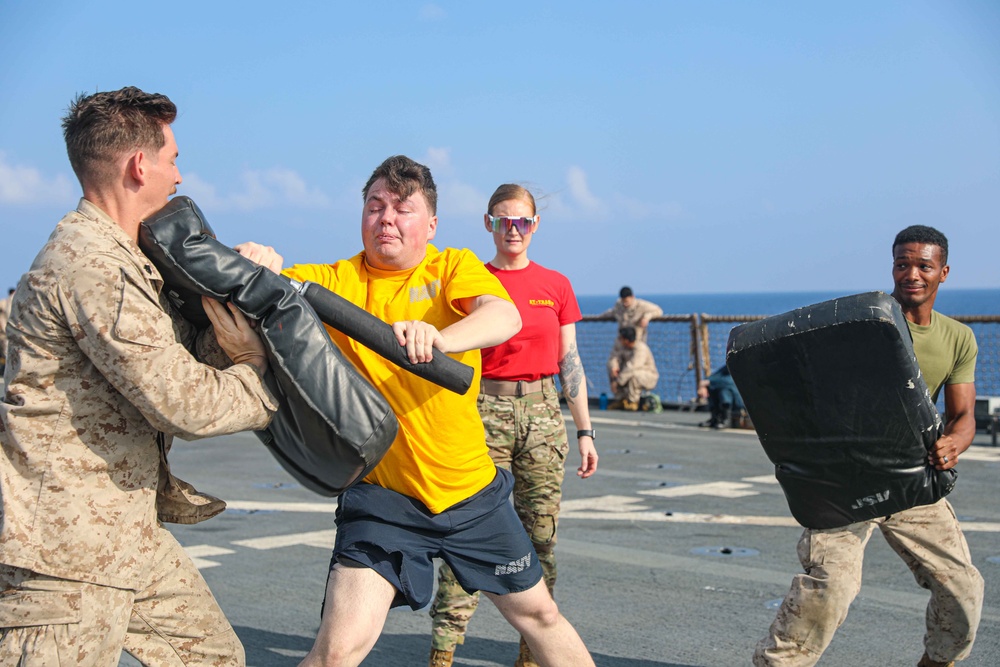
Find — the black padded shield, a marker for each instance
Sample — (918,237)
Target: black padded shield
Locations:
(836,397)
(332,426)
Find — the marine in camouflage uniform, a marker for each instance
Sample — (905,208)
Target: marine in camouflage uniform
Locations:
(928,538)
(519,406)
(101,378)
(632,370)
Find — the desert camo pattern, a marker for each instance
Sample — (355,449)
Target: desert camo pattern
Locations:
(99,382)
(636,371)
(633,316)
(928,539)
(173,621)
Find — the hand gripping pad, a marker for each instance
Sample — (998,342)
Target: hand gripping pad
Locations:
(840,407)
(332,426)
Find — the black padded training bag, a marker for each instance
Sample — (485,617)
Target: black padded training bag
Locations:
(836,396)
(332,427)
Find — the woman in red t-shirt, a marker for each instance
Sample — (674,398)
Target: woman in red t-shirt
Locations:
(519,403)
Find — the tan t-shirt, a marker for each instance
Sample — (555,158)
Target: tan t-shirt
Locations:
(946,351)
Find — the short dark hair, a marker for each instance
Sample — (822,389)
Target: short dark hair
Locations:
(627,333)
(403,177)
(922,234)
(624,292)
(101,128)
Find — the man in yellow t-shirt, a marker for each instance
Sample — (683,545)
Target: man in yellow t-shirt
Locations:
(436,493)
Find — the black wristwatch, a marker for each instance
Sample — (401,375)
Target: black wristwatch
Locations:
(586,431)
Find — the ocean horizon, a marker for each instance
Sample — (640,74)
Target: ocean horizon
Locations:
(984,301)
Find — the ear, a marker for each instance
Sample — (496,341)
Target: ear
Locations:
(944,272)
(486,222)
(135,167)
(535,225)
(432,226)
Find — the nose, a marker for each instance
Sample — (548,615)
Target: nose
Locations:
(911,275)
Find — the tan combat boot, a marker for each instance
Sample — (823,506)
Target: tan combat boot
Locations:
(441,658)
(927,662)
(524,658)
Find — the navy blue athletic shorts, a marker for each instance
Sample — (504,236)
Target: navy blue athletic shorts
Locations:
(481,538)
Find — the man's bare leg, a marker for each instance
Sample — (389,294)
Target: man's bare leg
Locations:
(533,613)
(357,601)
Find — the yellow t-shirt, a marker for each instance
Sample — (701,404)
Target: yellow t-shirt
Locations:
(439,455)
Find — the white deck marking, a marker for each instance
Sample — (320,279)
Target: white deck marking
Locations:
(762,479)
(990,454)
(197,551)
(250,505)
(317,538)
(718,489)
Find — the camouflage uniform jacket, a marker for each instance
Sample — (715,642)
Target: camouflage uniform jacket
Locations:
(635,362)
(633,315)
(98,384)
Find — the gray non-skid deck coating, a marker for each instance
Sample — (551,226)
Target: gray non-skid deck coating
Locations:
(637,583)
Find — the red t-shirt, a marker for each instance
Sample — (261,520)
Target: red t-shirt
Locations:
(546,302)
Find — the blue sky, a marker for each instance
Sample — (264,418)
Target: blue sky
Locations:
(677,147)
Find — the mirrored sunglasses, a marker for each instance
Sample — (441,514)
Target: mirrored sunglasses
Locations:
(502,224)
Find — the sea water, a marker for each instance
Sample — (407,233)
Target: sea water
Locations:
(949,302)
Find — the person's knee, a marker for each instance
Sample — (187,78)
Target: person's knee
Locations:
(530,611)
(544,614)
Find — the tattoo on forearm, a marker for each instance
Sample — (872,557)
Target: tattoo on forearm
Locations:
(571,374)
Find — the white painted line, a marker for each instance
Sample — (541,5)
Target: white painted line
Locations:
(204,564)
(633,422)
(317,538)
(762,479)
(717,489)
(602,504)
(289,652)
(629,508)
(249,505)
(989,454)
(682,517)
(197,551)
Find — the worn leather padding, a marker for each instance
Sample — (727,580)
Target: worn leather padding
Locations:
(836,397)
(332,426)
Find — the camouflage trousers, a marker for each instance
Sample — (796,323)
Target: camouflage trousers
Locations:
(174,621)
(526,435)
(630,388)
(927,538)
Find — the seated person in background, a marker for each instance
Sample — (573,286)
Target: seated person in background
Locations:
(723,398)
(631,370)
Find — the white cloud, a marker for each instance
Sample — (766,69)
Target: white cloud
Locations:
(260,189)
(432,12)
(438,159)
(576,178)
(20,184)
(461,199)
(578,202)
